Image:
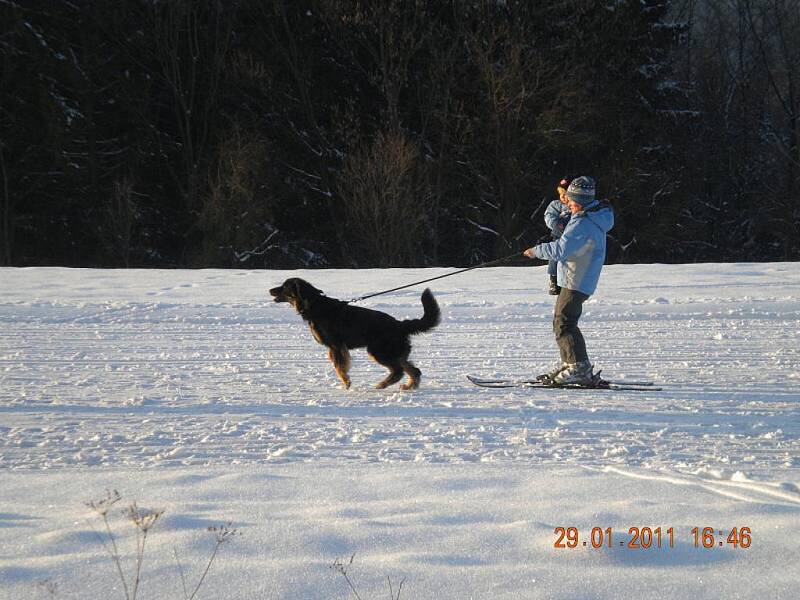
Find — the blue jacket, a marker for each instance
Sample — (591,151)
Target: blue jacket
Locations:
(581,250)
(556,216)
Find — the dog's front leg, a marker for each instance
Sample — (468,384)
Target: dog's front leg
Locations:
(340,357)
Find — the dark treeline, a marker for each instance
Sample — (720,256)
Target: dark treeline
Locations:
(286,133)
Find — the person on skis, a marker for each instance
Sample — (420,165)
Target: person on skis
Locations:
(580,253)
(556,217)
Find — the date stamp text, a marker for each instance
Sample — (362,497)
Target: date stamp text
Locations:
(644,538)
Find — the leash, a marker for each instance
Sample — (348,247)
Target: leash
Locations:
(402,287)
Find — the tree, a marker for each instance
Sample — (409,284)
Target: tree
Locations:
(383,188)
(775,25)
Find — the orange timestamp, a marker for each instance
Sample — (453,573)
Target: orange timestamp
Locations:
(642,538)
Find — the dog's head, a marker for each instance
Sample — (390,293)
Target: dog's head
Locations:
(297,292)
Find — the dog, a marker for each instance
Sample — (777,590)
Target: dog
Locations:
(342,327)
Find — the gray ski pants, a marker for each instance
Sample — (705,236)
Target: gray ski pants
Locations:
(571,344)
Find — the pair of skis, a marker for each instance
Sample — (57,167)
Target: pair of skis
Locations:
(597,383)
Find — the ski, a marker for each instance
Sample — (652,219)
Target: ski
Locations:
(540,380)
(599,384)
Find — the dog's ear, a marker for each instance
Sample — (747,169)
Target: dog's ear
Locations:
(304,293)
(292,287)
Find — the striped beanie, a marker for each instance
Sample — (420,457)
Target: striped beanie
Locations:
(581,190)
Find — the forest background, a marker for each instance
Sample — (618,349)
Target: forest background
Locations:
(385,133)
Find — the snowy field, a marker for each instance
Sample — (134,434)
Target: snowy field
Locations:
(191,392)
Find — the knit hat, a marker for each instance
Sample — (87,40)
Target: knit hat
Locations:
(581,190)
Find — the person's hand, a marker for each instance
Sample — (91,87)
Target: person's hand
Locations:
(529,253)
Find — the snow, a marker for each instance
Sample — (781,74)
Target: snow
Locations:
(191,392)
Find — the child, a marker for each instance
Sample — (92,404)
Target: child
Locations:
(556,216)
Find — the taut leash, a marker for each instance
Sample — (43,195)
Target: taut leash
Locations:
(402,287)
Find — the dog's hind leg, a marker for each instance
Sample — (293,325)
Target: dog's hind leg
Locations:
(340,357)
(395,375)
(414,375)
(395,369)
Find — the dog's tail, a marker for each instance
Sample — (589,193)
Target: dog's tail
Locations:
(430,318)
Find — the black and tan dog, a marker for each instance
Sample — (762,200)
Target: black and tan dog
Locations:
(341,327)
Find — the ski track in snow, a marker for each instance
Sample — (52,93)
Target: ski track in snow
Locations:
(151,369)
